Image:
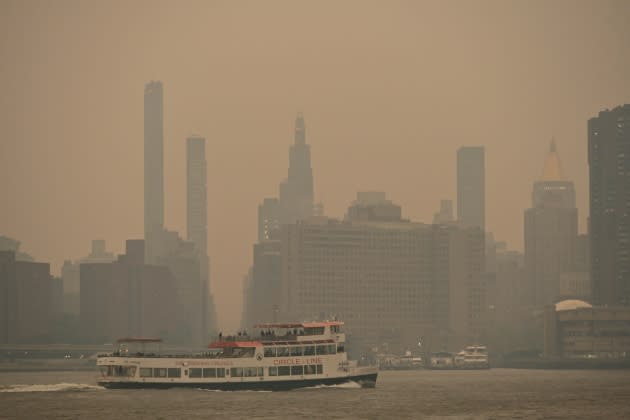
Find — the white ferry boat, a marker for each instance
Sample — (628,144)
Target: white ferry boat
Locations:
(275,357)
(472,357)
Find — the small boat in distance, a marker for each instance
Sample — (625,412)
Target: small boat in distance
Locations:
(278,356)
(472,357)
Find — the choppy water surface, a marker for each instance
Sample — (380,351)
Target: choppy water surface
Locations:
(497,393)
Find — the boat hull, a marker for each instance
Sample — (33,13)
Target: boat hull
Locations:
(364,380)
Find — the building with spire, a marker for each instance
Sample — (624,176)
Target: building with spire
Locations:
(296,192)
(609,225)
(551,231)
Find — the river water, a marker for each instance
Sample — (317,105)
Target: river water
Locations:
(495,393)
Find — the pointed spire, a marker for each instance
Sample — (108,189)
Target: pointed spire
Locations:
(552,171)
(300,129)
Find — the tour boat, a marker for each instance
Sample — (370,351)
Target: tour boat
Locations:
(278,356)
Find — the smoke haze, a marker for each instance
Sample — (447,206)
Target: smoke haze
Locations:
(389,91)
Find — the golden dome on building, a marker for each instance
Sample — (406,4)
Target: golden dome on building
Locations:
(571,304)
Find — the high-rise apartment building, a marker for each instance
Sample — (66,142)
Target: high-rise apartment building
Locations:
(471,187)
(296,192)
(153,165)
(609,227)
(551,229)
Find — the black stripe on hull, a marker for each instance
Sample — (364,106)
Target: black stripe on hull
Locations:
(366,381)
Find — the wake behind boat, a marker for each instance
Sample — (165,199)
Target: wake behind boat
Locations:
(279,356)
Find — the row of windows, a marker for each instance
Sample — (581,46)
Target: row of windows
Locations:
(160,372)
(207,373)
(321,349)
(246,372)
(296,370)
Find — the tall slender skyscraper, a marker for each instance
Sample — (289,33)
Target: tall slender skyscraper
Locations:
(296,192)
(471,187)
(153,166)
(609,227)
(197,219)
(551,229)
(196,195)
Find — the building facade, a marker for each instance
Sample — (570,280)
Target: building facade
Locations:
(471,186)
(609,201)
(26,300)
(296,192)
(551,231)
(395,282)
(153,165)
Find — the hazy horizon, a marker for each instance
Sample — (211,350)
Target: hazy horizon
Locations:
(389,92)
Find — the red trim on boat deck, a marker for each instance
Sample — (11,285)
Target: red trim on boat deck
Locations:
(222,344)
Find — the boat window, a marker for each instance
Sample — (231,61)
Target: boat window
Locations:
(236,372)
(296,351)
(332,349)
(273,371)
(250,371)
(284,370)
(283,351)
(314,331)
(209,372)
(309,350)
(340,348)
(320,369)
(260,371)
(310,370)
(146,372)
(159,372)
(174,372)
(194,373)
(220,372)
(297,370)
(270,352)
(322,349)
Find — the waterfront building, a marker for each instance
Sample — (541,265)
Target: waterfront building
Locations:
(391,281)
(26,300)
(127,298)
(576,329)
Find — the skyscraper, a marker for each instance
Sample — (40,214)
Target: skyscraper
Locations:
(197,219)
(268,218)
(471,187)
(153,165)
(551,229)
(609,181)
(196,196)
(296,192)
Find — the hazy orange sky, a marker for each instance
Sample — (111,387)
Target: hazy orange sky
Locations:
(389,90)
